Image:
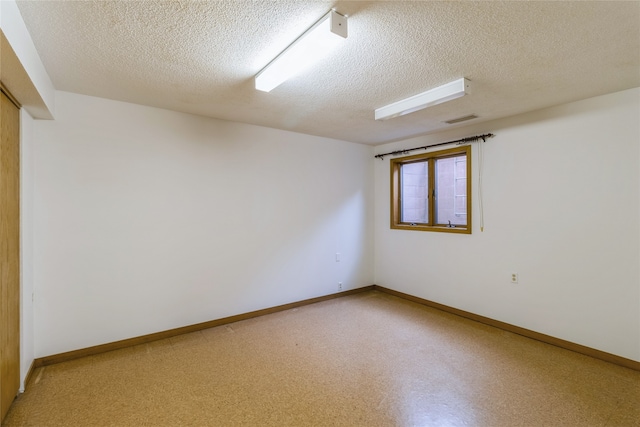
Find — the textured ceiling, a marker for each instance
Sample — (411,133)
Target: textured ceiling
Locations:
(200,57)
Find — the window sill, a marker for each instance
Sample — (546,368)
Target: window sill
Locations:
(441,229)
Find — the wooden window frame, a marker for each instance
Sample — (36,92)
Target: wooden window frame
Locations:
(431,157)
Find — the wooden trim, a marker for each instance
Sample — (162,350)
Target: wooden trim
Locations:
(431,188)
(10,252)
(567,345)
(6,91)
(430,158)
(30,372)
(393,190)
(469,179)
(438,228)
(103,348)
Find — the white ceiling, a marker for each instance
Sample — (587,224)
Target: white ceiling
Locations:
(200,57)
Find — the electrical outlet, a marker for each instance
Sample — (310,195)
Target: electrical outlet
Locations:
(514,277)
(339,286)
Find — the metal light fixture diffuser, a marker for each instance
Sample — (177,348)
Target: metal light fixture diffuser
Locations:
(432,97)
(310,47)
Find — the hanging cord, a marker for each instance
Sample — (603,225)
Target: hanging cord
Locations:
(480,167)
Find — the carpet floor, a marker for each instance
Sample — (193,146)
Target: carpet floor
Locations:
(369,359)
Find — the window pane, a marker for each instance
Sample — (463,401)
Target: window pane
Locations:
(451,190)
(414,192)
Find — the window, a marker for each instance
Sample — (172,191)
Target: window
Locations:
(430,192)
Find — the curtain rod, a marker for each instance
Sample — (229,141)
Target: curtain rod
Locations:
(457,141)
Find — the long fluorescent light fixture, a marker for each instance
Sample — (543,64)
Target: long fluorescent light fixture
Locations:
(307,49)
(426,99)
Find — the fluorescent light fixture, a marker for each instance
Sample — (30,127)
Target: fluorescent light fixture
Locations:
(426,99)
(310,47)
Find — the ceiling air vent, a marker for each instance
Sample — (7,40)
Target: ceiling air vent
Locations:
(462,119)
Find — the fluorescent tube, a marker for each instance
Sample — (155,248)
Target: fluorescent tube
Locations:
(309,48)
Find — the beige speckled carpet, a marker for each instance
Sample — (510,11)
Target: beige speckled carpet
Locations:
(368,359)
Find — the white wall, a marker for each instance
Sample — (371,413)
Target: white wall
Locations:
(26,246)
(147,220)
(561,205)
